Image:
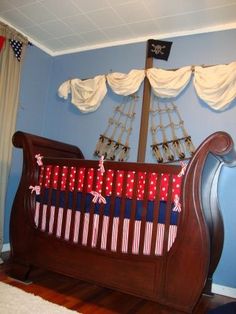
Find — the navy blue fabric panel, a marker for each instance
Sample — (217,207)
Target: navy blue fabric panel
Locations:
(117,206)
(78,200)
(128,205)
(38,198)
(88,201)
(174,218)
(139,209)
(150,211)
(62,199)
(107,206)
(162,212)
(96,208)
(70,199)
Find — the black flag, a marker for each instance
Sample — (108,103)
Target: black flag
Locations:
(159,49)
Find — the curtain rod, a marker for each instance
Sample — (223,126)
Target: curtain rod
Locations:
(193,66)
(173,69)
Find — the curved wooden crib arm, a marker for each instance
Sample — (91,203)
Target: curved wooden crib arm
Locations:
(156,234)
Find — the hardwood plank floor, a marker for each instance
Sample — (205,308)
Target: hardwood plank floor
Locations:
(90,299)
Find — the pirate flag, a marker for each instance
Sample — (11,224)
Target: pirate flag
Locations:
(159,49)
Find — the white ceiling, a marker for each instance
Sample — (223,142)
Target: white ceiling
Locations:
(65,26)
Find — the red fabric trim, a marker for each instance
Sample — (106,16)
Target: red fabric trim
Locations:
(2,41)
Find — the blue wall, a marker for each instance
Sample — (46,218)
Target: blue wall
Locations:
(43,112)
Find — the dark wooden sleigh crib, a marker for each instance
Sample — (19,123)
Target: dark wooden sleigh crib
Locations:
(143,229)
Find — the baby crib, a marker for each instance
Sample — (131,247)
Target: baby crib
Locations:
(151,230)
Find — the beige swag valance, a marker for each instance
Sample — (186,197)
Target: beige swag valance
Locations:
(215,85)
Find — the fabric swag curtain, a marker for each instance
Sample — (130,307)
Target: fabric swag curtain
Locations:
(215,85)
(86,95)
(168,84)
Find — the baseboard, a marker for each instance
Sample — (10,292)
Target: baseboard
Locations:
(223,290)
(6,247)
(218,289)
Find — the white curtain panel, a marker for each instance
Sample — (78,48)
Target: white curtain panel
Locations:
(216,85)
(168,84)
(86,95)
(126,84)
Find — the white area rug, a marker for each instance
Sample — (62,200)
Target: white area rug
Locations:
(16,301)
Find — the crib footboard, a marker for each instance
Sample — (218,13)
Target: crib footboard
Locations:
(125,226)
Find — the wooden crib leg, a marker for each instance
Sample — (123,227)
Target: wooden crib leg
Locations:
(19,271)
(208,286)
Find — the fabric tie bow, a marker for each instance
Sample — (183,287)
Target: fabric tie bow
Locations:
(101,164)
(184,166)
(35,189)
(98,198)
(39,159)
(177,207)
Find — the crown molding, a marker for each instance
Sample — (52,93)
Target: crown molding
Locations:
(204,30)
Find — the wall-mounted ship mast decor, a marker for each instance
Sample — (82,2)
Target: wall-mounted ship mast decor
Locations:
(158,50)
(113,144)
(214,84)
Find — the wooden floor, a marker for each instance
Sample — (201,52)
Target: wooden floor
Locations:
(91,299)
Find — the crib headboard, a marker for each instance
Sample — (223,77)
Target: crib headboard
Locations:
(33,144)
(175,275)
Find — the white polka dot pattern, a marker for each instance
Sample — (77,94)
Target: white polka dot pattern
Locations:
(50,176)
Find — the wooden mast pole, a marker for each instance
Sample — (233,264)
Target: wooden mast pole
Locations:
(143,132)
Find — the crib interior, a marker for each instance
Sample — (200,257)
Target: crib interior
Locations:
(123,210)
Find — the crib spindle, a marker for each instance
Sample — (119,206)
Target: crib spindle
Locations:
(65,210)
(74,201)
(133,213)
(112,209)
(122,212)
(82,205)
(167,215)
(92,216)
(42,207)
(145,193)
(156,214)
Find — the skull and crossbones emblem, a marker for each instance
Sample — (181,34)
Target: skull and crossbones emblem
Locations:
(157,49)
